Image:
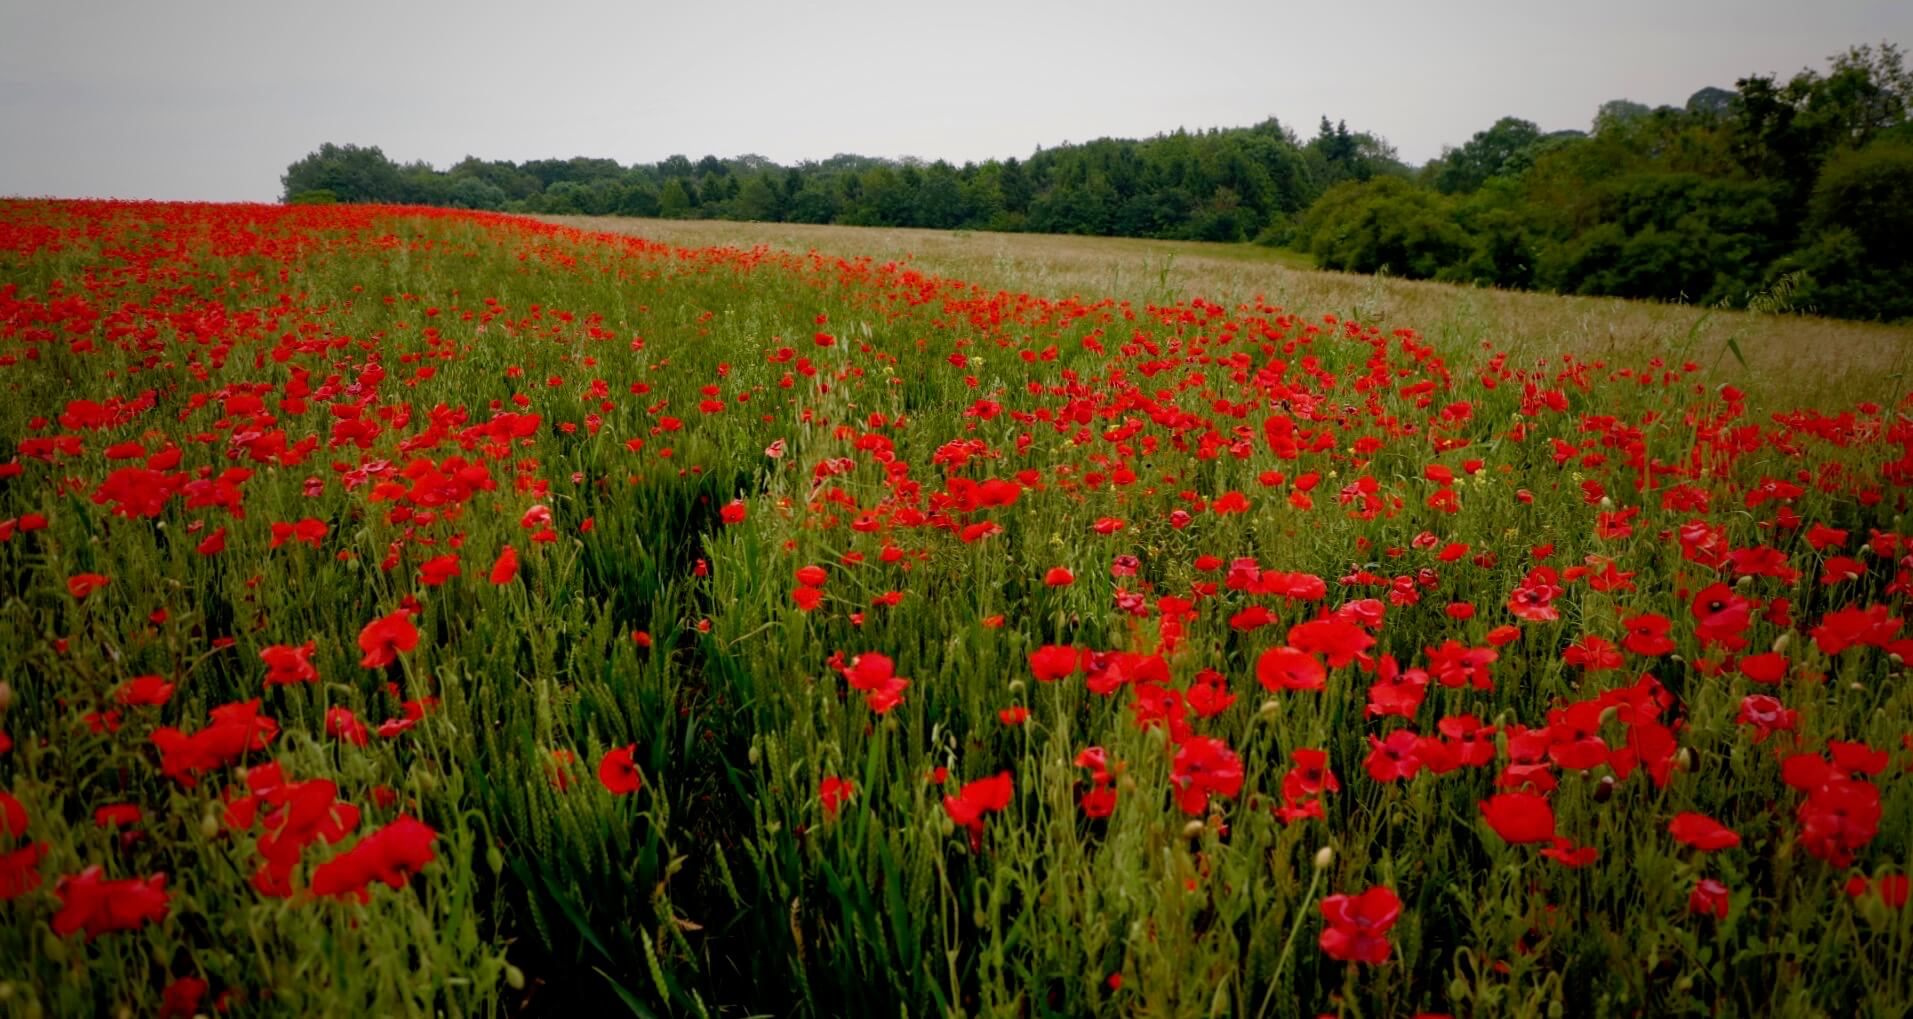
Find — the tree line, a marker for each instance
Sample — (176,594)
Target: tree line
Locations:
(1795,193)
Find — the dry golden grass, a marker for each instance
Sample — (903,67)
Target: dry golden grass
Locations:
(1790,358)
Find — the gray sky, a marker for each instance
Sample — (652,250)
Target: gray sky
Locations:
(211,99)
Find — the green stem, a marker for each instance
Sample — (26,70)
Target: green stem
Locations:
(1275,979)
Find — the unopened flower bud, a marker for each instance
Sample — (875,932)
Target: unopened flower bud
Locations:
(1192,829)
(1604,789)
(1781,642)
(514,977)
(1268,709)
(1685,759)
(754,755)
(1016,686)
(1324,857)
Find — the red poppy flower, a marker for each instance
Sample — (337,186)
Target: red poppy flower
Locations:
(617,773)
(1767,668)
(144,691)
(1051,662)
(1394,758)
(1647,634)
(341,723)
(1204,766)
(19,870)
(384,638)
(1702,832)
(875,675)
(235,730)
(733,512)
(92,904)
(1709,898)
(286,664)
(1288,668)
(1358,925)
(13,816)
(392,855)
(505,569)
(974,799)
(438,570)
(1519,817)
(1338,640)
(1059,577)
(180,999)
(82,584)
(833,792)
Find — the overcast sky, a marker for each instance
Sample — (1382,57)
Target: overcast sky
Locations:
(211,99)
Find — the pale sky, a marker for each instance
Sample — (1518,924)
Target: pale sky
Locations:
(211,99)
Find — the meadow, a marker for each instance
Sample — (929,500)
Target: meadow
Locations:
(414,612)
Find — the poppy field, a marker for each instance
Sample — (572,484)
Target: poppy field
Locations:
(414,612)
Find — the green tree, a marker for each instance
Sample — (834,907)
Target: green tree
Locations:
(1500,151)
(352,173)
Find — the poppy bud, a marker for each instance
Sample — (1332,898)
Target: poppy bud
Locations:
(514,977)
(1781,642)
(754,755)
(1016,686)
(495,860)
(1324,858)
(1268,709)
(1745,582)
(1604,789)
(1192,829)
(209,826)
(1685,759)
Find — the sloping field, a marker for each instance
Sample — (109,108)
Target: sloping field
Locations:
(1790,356)
(407,612)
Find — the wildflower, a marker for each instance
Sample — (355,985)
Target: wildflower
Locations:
(384,638)
(1702,832)
(617,773)
(392,855)
(833,792)
(1519,817)
(97,906)
(975,799)
(1358,925)
(1709,898)
(286,664)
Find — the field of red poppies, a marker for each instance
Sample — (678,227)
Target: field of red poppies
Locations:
(414,612)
